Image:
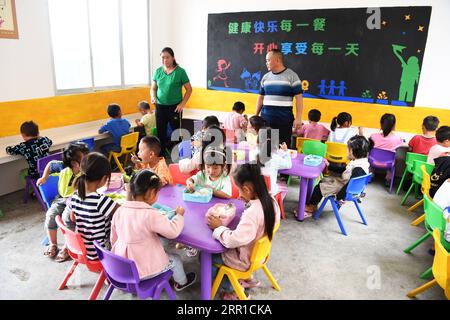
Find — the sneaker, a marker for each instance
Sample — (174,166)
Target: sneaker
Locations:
(191,277)
(191,252)
(249,283)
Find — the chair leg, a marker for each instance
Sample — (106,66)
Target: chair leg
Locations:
(108,292)
(415,206)
(421,289)
(338,216)
(322,206)
(109,156)
(401,181)
(98,286)
(419,241)
(216,283)
(407,194)
(418,221)
(427,273)
(68,275)
(119,165)
(236,286)
(289,180)
(271,278)
(38,195)
(279,200)
(360,212)
(392,178)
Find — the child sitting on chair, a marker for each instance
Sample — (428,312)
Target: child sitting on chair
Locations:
(148,158)
(68,170)
(117,127)
(358,150)
(33,148)
(148,120)
(314,130)
(197,138)
(236,121)
(254,124)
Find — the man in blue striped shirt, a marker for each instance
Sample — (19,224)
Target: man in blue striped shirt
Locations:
(278,88)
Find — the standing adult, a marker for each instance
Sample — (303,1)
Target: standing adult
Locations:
(166,93)
(278,88)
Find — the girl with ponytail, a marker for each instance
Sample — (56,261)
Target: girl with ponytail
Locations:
(91,211)
(386,139)
(259,219)
(341,128)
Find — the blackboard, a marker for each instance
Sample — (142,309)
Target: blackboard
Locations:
(371,55)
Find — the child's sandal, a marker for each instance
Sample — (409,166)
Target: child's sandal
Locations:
(62,256)
(51,251)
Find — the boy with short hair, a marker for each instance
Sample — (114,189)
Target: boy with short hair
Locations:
(148,120)
(422,143)
(116,126)
(33,148)
(314,130)
(442,148)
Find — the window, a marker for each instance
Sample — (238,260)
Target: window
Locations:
(99,44)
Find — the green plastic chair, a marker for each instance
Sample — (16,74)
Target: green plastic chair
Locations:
(154,132)
(417,177)
(434,219)
(314,147)
(410,157)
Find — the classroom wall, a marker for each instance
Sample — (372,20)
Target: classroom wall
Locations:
(191,46)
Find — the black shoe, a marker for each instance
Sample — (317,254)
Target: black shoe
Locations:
(191,277)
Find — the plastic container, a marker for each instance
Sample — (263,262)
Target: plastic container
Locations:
(164,210)
(312,160)
(225,212)
(202,195)
(116,181)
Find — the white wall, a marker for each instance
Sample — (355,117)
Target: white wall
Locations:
(190,37)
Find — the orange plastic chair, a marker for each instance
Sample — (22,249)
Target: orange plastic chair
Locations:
(425,187)
(337,152)
(128,144)
(260,256)
(179,177)
(441,269)
(77,251)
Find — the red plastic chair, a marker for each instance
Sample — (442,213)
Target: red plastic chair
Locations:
(179,177)
(77,252)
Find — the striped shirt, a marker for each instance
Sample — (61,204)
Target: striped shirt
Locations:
(93,219)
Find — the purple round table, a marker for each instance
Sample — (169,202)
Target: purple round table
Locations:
(307,176)
(196,232)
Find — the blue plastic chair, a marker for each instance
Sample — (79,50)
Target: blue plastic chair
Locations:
(185,149)
(355,188)
(89,142)
(49,190)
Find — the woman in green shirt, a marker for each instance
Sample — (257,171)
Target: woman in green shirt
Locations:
(166,93)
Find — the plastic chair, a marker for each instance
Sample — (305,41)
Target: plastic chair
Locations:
(409,161)
(433,220)
(425,188)
(89,142)
(299,143)
(314,147)
(440,269)
(355,188)
(337,152)
(42,162)
(258,260)
(185,149)
(49,190)
(128,144)
(383,159)
(179,177)
(77,251)
(417,176)
(122,274)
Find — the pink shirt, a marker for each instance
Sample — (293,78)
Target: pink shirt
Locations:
(235,121)
(390,143)
(134,235)
(314,131)
(242,240)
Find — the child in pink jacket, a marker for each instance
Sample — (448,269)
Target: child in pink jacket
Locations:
(136,227)
(259,219)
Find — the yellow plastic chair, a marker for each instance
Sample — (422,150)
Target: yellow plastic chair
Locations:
(441,269)
(337,152)
(425,187)
(259,258)
(128,144)
(299,143)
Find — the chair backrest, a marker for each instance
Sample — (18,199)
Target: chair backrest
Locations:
(434,218)
(299,143)
(426,182)
(117,268)
(42,162)
(357,185)
(380,157)
(411,156)
(49,190)
(177,176)
(89,142)
(417,170)
(185,149)
(441,263)
(129,141)
(74,242)
(337,152)
(314,147)
(260,253)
